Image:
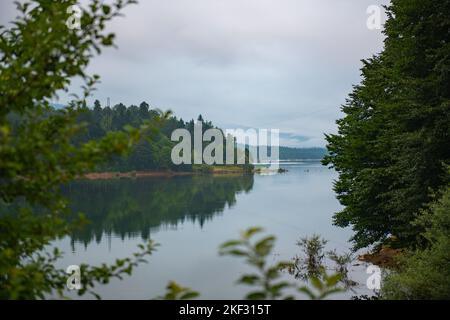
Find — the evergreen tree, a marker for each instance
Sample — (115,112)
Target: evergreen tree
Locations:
(40,150)
(393,144)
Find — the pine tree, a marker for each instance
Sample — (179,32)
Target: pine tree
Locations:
(393,144)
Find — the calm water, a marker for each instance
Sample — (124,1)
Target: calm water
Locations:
(191,216)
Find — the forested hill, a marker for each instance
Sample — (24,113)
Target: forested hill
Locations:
(146,155)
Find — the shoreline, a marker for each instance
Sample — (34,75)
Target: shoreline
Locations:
(156,174)
(213,171)
(134,174)
(385,257)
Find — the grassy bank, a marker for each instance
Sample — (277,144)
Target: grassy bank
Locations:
(197,170)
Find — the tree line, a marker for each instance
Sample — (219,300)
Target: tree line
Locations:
(147,154)
(153,150)
(288,153)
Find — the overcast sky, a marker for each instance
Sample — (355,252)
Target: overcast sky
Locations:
(285,64)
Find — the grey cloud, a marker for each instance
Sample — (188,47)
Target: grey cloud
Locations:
(286,64)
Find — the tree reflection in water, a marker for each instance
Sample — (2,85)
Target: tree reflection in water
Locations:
(135,207)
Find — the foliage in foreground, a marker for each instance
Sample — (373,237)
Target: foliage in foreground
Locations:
(310,263)
(425,273)
(39,56)
(266,279)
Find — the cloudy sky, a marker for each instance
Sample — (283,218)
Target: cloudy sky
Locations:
(285,64)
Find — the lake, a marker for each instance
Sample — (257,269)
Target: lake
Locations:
(191,216)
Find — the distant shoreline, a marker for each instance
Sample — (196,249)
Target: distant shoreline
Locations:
(134,174)
(156,174)
(213,170)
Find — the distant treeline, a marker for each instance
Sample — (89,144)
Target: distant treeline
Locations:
(287,153)
(155,153)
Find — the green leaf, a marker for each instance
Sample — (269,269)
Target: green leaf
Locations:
(231,243)
(258,295)
(189,295)
(249,279)
(272,273)
(316,282)
(334,279)
(251,231)
(308,292)
(277,288)
(235,252)
(264,246)
(106,9)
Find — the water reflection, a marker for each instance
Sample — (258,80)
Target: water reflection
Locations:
(190,217)
(136,207)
